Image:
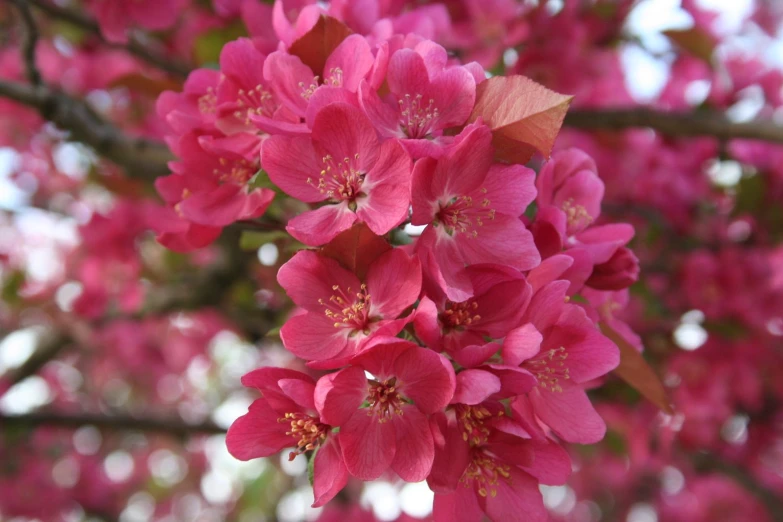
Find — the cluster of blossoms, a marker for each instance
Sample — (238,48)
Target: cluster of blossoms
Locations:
(458,358)
(449,301)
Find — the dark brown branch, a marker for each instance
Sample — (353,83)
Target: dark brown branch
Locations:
(134,46)
(29,41)
(674,123)
(143,159)
(49,347)
(171,426)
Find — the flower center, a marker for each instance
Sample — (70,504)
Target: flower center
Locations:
(256,101)
(473,421)
(340,180)
(207,102)
(461,215)
(384,400)
(308,431)
(459,314)
(549,368)
(238,171)
(348,309)
(416,115)
(335,79)
(576,215)
(485,472)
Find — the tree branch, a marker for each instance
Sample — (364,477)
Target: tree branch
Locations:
(134,46)
(29,41)
(143,159)
(49,347)
(674,123)
(170,426)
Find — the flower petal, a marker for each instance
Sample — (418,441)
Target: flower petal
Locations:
(257,433)
(394,283)
(368,445)
(338,395)
(415,447)
(474,387)
(329,472)
(569,413)
(319,226)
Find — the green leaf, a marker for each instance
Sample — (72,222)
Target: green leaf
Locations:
(261,180)
(208,46)
(11,287)
(255,239)
(274,332)
(311,466)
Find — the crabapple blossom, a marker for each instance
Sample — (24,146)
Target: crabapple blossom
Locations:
(373,203)
(344,164)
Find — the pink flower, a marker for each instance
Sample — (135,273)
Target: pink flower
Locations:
(305,14)
(117,16)
(500,298)
(620,271)
(562,350)
(341,312)
(209,184)
(487,465)
(285,416)
(243,93)
(569,182)
(472,210)
(487,28)
(294,83)
(391,430)
(426,97)
(193,109)
(347,166)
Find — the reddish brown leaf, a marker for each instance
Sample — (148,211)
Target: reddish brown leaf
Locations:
(356,248)
(696,41)
(318,43)
(151,87)
(635,371)
(524,116)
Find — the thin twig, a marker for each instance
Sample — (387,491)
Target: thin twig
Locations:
(675,123)
(29,41)
(171,426)
(143,159)
(134,46)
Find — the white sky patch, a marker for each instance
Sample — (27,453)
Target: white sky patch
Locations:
(645,75)
(732,13)
(690,335)
(642,512)
(11,197)
(118,466)
(17,347)
(416,499)
(383,499)
(725,173)
(26,396)
(268,254)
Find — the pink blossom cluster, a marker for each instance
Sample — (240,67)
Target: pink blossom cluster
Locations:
(76,472)
(460,358)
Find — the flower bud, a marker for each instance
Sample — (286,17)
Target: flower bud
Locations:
(621,271)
